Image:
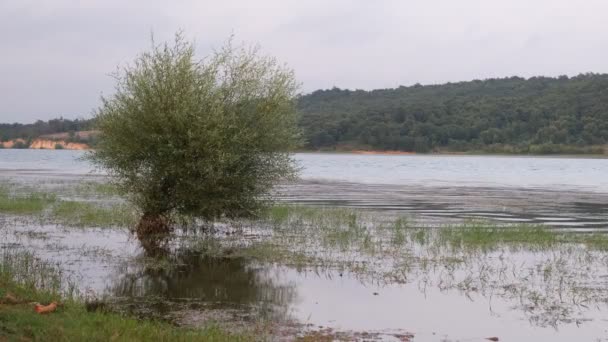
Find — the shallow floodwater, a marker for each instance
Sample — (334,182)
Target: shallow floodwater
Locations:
(569,193)
(238,292)
(562,192)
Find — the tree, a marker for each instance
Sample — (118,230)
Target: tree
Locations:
(199,138)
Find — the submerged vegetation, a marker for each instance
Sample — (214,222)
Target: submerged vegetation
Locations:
(47,206)
(552,276)
(82,214)
(20,204)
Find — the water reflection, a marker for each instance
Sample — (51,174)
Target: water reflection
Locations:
(188,280)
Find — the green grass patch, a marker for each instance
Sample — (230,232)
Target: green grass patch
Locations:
(22,276)
(74,323)
(483,234)
(24,204)
(84,214)
(486,234)
(97,189)
(38,280)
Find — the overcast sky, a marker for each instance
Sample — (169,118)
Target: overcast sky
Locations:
(55,56)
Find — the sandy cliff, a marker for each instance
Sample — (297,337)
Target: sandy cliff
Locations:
(50,144)
(47,144)
(11,143)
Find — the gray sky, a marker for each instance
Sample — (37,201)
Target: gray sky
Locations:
(55,56)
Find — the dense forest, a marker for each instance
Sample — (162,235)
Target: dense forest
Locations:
(512,115)
(508,115)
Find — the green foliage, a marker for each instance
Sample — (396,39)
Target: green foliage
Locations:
(58,147)
(32,131)
(204,138)
(511,115)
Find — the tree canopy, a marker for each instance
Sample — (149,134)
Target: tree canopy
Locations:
(198,137)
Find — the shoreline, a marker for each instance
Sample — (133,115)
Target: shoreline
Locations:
(43,144)
(456,154)
(390,153)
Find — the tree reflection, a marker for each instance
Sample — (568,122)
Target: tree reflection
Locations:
(195,281)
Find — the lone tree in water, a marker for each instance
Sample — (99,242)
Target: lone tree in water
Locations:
(198,138)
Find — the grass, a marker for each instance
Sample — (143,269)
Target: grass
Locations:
(345,228)
(48,206)
(22,276)
(482,234)
(84,214)
(488,235)
(37,280)
(96,189)
(24,204)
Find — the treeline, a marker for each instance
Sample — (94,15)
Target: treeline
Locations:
(28,132)
(512,115)
(538,115)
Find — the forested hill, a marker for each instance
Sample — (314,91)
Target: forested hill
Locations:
(536,115)
(9,131)
(509,115)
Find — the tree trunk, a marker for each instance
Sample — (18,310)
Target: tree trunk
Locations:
(153,232)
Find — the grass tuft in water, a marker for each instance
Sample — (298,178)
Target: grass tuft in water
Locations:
(24,204)
(38,279)
(96,189)
(489,235)
(84,214)
(484,234)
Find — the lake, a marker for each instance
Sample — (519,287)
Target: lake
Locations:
(435,302)
(563,192)
(549,173)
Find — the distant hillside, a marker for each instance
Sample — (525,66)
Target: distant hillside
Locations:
(53,134)
(510,115)
(46,129)
(513,115)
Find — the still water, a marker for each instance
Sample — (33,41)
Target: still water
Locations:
(557,173)
(549,173)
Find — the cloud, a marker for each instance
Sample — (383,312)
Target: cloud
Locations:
(56,55)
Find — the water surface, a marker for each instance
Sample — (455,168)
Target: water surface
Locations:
(566,193)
